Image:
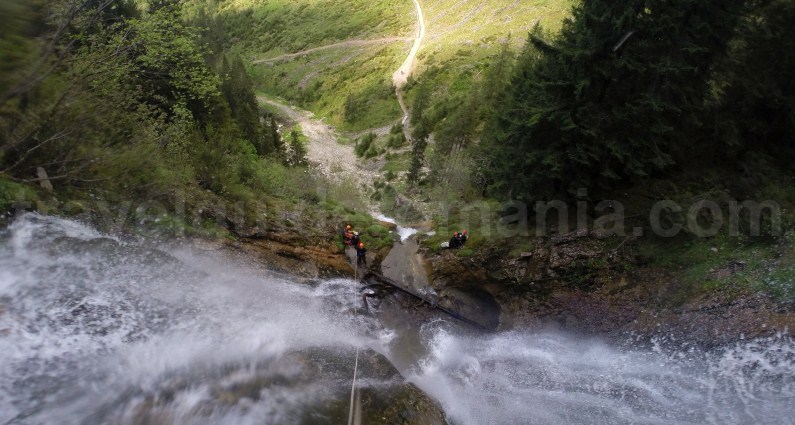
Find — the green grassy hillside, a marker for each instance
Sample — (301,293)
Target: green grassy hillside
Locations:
(351,87)
(464,36)
(351,84)
(324,82)
(266,29)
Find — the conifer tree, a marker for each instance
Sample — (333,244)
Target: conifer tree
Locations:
(297,151)
(239,93)
(421,101)
(418,144)
(276,137)
(616,97)
(496,79)
(756,99)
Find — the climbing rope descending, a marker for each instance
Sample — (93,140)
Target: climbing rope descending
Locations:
(353,388)
(355,365)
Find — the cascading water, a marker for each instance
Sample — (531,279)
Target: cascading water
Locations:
(94,330)
(549,378)
(403,232)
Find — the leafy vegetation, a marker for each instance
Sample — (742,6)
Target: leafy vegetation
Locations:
(604,102)
(616,99)
(618,104)
(127,103)
(364,146)
(633,101)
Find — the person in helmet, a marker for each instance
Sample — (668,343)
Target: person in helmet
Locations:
(347,235)
(355,238)
(463,236)
(455,241)
(361,254)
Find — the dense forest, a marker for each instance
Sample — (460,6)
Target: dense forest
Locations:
(634,100)
(125,101)
(625,95)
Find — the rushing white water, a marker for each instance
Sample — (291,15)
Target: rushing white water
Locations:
(403,232)
(95,330)
(90,327)
(548,378)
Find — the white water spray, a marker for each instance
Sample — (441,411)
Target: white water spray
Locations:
(403,232)
(548,378)
(91,328)
(96,330)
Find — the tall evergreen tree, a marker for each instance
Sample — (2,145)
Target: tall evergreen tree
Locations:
(756,109)
(419,143)
(273,139)
(239,92)
(298,152)
(421,102)
(496,80)
(614,98)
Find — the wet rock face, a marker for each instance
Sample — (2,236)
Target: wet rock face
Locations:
(554,257)
(454,289)
(533,288)
(385,398)
(288,252)
(404,404)
(310,386)
(475,305)
(486,283)
(714,321)
(575,282)
(387,224)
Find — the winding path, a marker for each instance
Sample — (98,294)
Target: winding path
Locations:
(348,43)
(332,159)
(400,77)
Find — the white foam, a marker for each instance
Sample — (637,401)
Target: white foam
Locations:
(403,232)
(517,378)
(96,318)
(94,321)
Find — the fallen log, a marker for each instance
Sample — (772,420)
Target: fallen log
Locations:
(432,303)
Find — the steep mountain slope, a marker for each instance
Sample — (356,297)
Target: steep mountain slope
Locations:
(464,34)
(337,58)
(332,57)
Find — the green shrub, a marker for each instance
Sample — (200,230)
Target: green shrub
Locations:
(363,144)
(12,193)
(396,140)
(372,152)
(377,236)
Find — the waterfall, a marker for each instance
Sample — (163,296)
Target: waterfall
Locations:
(98,329)
(549,378)
(93,328)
